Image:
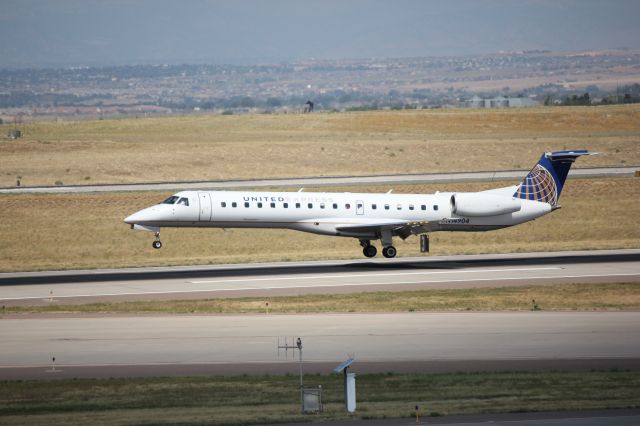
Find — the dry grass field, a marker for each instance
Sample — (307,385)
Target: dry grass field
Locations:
(208,147)
(68,231)
(243,400)
(559,297)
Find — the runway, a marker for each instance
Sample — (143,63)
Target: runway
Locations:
(113,345)
(618,417)
(319,181)
(345,276)
(174,344)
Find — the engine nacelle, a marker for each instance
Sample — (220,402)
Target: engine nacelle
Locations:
(478,204)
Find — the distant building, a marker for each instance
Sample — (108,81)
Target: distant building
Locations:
(475,102)
(500,102)
(522,102)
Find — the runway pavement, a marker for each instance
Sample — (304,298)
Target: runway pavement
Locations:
(623,417)
(319,181)
(388,342)
(266,280)
(112,345)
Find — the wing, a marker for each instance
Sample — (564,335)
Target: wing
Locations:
(403,229)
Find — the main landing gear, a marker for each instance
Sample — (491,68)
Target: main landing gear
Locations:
(157,243)
(389,252)
(370,251)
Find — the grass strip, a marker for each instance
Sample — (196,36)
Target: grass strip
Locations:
(212,147)
(555,297)
(261,399)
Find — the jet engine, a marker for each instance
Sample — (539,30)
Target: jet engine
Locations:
(479,204)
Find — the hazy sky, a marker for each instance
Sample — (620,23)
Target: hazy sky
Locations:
(39,33)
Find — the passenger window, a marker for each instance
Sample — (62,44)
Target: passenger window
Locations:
(246,205)
(322,205)
(423,207)
(310,205)
(259,205)
(170,200)
(234,204)
(273,205)
(285,205)
(410,206)
(297,205)
(435,207)
(374,206)
(399,206)
(335,205)
(223,204)
(386,206)
(347,206)
(184,201)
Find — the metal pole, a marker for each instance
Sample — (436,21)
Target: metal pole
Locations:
(346,398)
(299,344)
(301,385)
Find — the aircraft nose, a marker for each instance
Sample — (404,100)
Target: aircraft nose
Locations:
(135,218)
(130,219)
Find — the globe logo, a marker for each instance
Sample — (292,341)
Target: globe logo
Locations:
(539,185)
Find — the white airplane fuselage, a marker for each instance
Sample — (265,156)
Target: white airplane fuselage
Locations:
(367,216)
(325,213)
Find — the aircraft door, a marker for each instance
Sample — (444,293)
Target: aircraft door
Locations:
(205,206)
(359,207)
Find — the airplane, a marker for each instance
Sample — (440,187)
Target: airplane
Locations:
(367,217)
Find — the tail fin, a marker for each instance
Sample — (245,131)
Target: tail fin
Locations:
(545,181)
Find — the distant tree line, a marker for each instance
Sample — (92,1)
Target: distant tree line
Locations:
(629,94)
(22,99)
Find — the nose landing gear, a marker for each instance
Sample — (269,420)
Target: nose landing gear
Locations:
(157,243)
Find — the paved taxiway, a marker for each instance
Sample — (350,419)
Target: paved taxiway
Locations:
(386,339)
(320,181)
(264,280)
(618,417)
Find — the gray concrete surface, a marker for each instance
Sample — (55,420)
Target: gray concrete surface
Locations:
(320,181)
(265,280)
(622,417)
(327,338)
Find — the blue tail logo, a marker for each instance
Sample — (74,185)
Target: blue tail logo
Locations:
(545,181)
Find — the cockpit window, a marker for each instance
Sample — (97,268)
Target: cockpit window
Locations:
(171,200)
(183,201)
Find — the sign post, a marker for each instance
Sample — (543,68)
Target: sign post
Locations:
(349,385)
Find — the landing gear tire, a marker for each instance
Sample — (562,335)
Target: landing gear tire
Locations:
(370,251)
(157,244)
(389,252)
